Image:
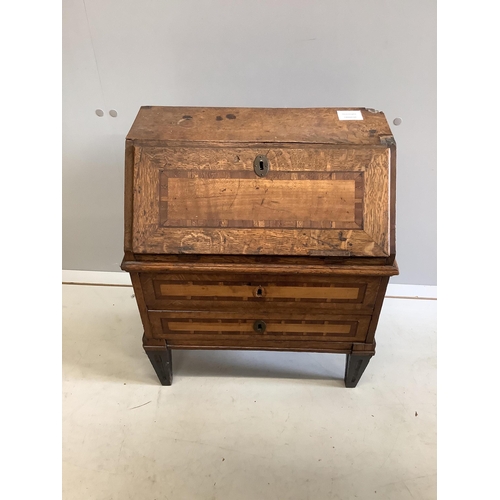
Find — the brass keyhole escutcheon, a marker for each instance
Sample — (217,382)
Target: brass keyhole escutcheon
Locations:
(261,165)
(259,292)
(259,326)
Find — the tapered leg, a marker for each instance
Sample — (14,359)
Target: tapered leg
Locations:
(161,359)
(354,367)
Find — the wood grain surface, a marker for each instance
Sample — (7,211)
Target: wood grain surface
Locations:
(227,326)
(268,292)
(217,211)
(249,202)
(296,125)
(260,293)
(297,259)
(261,344)
(306,158)
(294,266)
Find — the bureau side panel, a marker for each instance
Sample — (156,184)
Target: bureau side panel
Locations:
(128,195)
(384,281)
(141,304)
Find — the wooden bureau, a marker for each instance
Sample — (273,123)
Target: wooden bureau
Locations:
(263,229)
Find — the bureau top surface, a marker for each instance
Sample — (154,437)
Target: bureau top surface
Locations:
(349,126)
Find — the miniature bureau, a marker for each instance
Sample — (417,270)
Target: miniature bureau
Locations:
(260,228)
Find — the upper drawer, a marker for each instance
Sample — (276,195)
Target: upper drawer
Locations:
(262,293)
(259,201)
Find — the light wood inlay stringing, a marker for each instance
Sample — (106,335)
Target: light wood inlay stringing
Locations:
(176,326)
(271,292)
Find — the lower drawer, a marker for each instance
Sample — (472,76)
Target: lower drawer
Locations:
(199,328)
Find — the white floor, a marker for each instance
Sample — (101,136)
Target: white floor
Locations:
(244,425)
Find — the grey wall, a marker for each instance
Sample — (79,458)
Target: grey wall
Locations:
(121,54)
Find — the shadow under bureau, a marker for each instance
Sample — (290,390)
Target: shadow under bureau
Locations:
(260,228)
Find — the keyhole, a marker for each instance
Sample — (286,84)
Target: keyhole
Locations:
(261,165)
(259,292)
(259,326)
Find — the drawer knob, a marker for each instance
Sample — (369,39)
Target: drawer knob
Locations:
(261,165)
(259,326)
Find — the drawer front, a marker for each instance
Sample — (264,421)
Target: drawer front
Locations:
(205,328)
(259,293)
(311,201)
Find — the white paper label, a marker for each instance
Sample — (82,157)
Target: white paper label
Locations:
(350,115)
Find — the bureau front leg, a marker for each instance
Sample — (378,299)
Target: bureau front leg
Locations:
(354,367)
(161,359)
